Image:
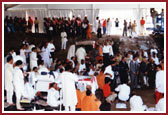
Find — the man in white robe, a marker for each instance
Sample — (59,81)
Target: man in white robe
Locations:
(9,79)
(68,88)
(124,92)
(109,26)
(71,52)
(136,104)
(46,56)
(33,59)
(96,24)
(159,83)
(18,81)
(23,53)
(51,48)
(33,77)
(63,40)
(80,53)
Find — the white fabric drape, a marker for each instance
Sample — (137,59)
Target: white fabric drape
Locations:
(59,13)
(18,13)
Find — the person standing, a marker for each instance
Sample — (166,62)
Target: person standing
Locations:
(134,69)
(96,24)
(99,34)
(123,71)
(9,79)
(68,88)
(125,28)
(89,31)
(104,26)
(33,58)
(109,26)
(117,25)
(130,29)
(18,81)
(45,55)
(134,33)
(51,48)
(30,24)
(154,15)
(142,23)
(36,24)
(63,39)
(159,83)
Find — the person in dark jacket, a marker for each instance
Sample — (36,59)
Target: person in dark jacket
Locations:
(123,71)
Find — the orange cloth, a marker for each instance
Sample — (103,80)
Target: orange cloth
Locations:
(158,96)
(106,90)
(142,22)
(89,32)
(79,93)
(89,104)
(100,80)
(83,95)
(104,23)
(100,51)
(162,66)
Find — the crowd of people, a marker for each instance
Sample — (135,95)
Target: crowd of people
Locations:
(118,75)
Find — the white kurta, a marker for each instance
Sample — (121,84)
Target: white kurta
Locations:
(51,47)
(8,76)
(159,81)
(52,97)
(71,52)
(33,60)
(22,54)
(81,67)
(160,105)
(46,56)
(63,40)
(108,70)
(8,81)
(18,81)
(124,92)
(80,53)
(156,60)
(29,91)
(136,104)
(32,78)
(109,26)
(68,88)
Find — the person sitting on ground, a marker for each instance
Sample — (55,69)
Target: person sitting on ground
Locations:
(110,96)
(53,96)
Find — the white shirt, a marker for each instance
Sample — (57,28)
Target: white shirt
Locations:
(8,76)
(124,92)
(63,35)
(106,49)
(51,47)
(156,60)
(109,70)
(136,104)
(81,67)
(52,97)
(160,81)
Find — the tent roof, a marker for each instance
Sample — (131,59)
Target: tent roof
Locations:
(83,6)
